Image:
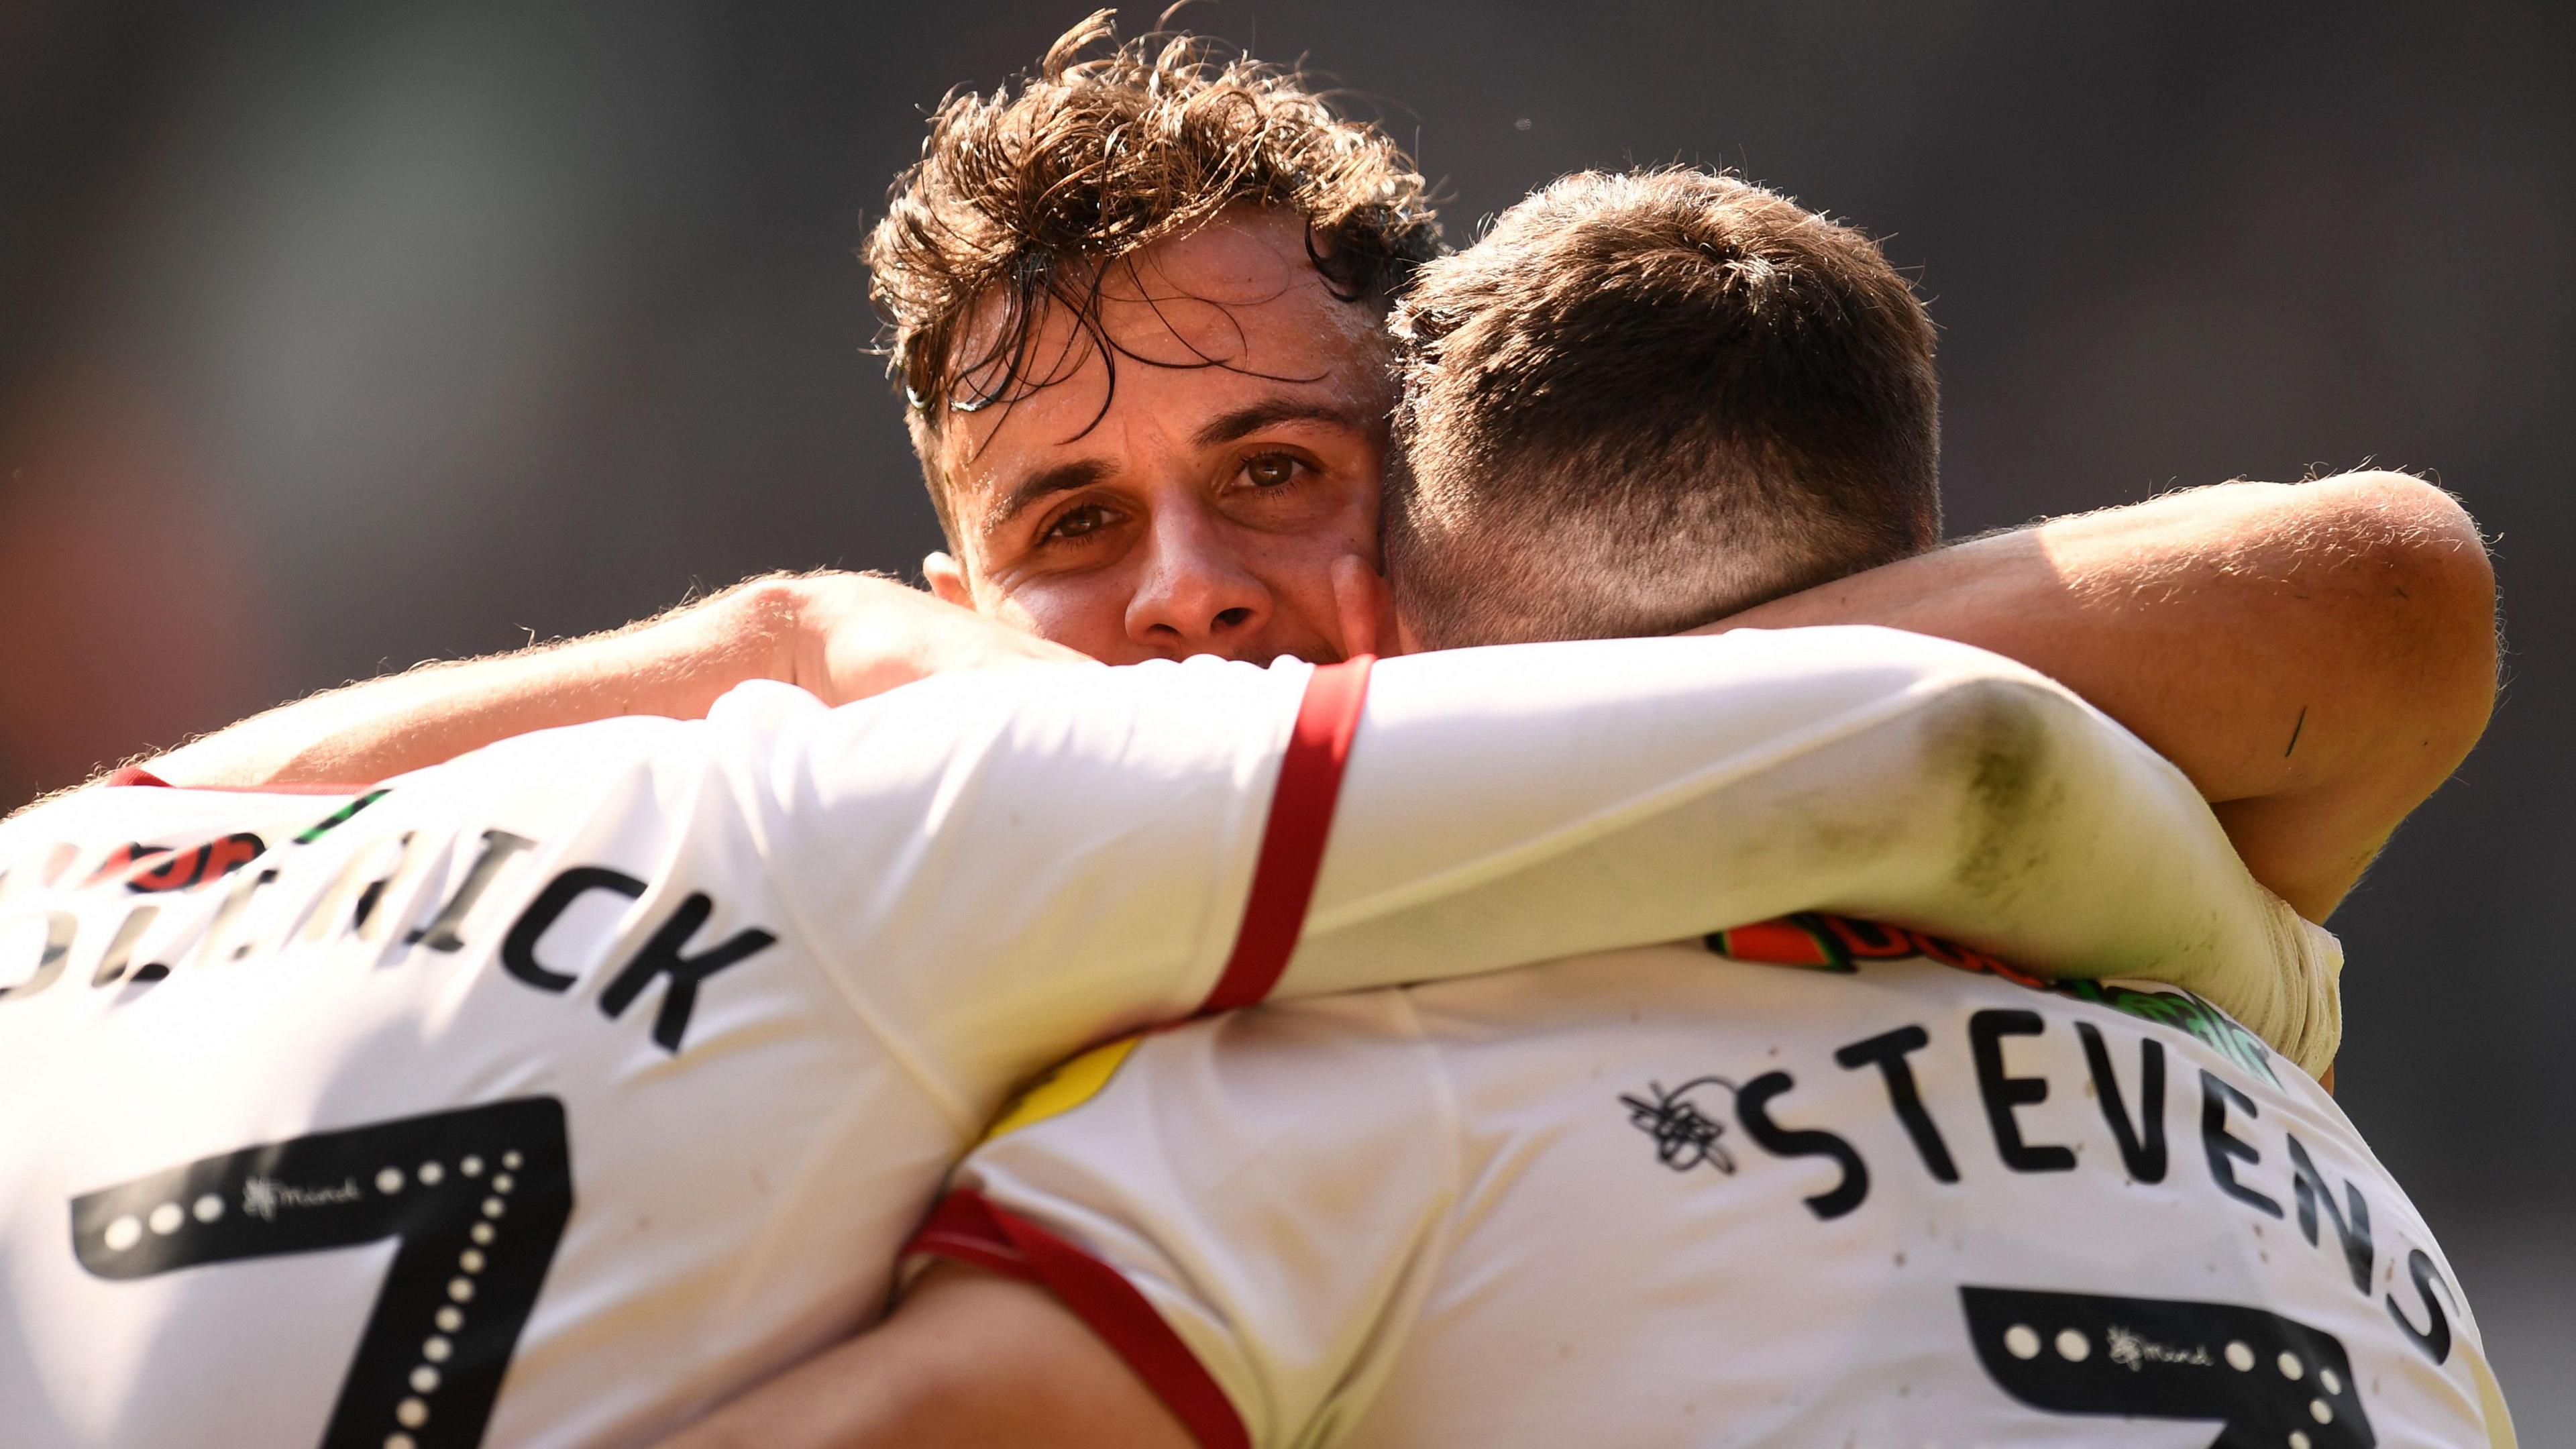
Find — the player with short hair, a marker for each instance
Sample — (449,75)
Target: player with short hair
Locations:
(1811,1181)
(1814,1182)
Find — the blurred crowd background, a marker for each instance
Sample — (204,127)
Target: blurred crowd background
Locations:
(336,337)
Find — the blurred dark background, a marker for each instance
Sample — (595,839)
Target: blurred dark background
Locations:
(338,337)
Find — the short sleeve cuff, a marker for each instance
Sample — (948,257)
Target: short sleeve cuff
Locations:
(967,1228)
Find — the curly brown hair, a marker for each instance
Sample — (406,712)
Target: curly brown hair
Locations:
(1030,197)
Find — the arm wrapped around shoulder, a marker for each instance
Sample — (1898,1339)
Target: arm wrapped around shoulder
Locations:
(1618,793)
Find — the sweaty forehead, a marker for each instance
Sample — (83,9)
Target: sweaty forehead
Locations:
(1208,324)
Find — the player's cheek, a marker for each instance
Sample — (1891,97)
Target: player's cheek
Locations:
(1084,610)
(1297,570)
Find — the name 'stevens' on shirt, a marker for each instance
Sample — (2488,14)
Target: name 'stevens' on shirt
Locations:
(1848,1183)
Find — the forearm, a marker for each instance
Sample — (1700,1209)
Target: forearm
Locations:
(676,665)
(969,1360)
(861,1393)
(2317,657)
(839,636)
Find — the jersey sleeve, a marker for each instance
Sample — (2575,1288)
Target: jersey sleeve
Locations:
(999,867)
(1526,803)
(1254,1254)
(1007,865)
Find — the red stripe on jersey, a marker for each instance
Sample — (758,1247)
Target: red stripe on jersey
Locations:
(970,1229)
(1292,843)
(137,775)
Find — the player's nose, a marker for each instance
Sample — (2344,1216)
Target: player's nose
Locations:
(1194,596)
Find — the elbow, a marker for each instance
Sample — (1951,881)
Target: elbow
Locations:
(2423,542)
(2414,529)
(2417,545)
(2002,745)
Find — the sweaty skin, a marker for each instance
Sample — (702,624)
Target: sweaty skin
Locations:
(1192,495)
(919,1382)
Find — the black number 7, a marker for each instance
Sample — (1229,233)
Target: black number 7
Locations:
(478,1197)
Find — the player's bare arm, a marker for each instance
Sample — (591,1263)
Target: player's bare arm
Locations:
(2317,657)
(927,1379)
(841,636)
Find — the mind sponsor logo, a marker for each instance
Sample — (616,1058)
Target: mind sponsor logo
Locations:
(2133,1350)
(264,1197)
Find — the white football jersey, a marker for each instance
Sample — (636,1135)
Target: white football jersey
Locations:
(549,1096)
(1877,1190)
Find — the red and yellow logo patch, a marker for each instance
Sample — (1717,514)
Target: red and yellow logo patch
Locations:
(1833,943)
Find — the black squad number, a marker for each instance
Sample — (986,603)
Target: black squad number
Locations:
(478,1198)
(2269,1382)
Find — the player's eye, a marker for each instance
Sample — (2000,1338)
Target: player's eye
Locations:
(1079,521)
(1271,470)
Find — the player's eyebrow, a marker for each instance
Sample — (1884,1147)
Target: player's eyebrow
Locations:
(1041,485)
(1215,432)
(1245,421)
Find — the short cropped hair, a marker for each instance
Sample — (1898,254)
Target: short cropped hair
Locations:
(1645,401)
(1027,197)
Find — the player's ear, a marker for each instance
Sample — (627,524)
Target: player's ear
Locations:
(947,579)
